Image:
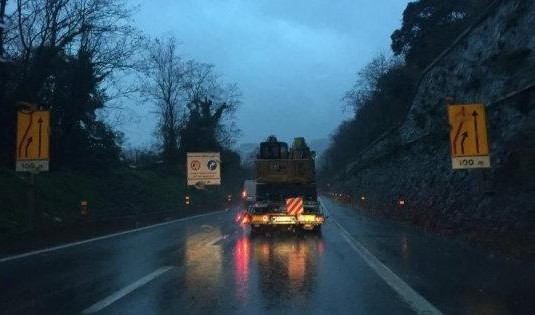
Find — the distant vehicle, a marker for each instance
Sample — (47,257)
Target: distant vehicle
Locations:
(285,191)
(249,193)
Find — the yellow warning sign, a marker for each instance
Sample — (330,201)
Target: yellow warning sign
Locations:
(468,136)
(33,129)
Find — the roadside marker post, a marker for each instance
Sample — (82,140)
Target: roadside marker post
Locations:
(83,208)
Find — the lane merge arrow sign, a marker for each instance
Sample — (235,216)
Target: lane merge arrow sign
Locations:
(465,135)
(475,114)
(468,136)
(40,122)
(32,141)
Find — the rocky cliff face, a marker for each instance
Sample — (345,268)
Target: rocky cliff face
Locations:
(492,63)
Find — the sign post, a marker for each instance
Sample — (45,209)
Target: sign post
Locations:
(468,136)
(204,168)
(32,150)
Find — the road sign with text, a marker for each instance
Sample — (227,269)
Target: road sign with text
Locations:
(204,168)
(468,136)
(33,130)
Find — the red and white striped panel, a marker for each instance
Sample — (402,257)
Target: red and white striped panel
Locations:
(294,206)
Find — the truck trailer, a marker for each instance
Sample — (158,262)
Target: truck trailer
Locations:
(285,188)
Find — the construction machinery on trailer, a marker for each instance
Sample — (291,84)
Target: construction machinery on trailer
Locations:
(285,188)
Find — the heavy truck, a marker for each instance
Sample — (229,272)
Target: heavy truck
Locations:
(284,188)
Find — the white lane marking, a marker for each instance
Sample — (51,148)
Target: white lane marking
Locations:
(417,302)
(102,304)
(50,249)
(217,240)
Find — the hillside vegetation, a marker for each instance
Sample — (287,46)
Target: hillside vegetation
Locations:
(118,192)
(85,65)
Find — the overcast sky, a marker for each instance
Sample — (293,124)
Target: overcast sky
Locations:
(292,59)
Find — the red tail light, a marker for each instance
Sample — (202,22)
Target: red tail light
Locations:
(242,218)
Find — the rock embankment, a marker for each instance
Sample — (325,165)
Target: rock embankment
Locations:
(493,63)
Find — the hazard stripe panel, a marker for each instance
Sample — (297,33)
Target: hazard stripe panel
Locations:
(294,206)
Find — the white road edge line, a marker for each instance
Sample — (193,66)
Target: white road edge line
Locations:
(417,302)
(50,249)
(102,304)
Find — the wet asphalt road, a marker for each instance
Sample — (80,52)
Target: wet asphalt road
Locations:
(208,265)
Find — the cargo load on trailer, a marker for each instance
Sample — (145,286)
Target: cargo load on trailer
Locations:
(285,188)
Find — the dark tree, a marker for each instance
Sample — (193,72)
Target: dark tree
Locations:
(192,104)
(59,55)
(162,83)
(200,131)
(429,26)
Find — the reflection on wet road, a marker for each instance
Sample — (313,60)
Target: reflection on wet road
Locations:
(287,267)
(209,265)
(241,268)
(203,260)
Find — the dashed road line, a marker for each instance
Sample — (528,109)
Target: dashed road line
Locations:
(50,249)
(102,304)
